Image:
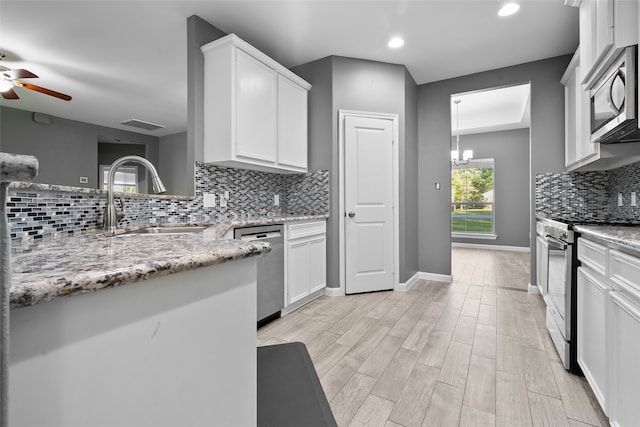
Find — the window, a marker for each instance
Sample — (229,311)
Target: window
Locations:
(472,199)
(125,181)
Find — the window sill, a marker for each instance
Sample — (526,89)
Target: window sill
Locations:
(482,236)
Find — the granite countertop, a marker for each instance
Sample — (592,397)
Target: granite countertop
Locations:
(48,269)
(626,237)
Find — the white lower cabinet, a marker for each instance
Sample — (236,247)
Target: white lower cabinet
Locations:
(609,329)
(623,327)
(305,262)
(592,348)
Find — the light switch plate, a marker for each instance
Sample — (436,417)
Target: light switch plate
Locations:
(634,200)
(276,200)
(223,200)
(619,199)
(209,200)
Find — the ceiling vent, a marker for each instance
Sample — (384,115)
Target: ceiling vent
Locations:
(140,124)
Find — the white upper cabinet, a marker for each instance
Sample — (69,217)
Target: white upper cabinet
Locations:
(579,150)
(606,26)
(255,110)
(292,124)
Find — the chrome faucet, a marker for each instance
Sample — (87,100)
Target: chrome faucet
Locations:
(111,216)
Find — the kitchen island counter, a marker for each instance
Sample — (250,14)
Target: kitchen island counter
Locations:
(42,271)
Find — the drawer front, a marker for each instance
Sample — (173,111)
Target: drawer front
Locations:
(306,229)
(624,273)
(593,255)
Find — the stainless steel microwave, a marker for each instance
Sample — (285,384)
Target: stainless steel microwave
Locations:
(614,103)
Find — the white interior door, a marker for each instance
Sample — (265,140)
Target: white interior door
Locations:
(368,193)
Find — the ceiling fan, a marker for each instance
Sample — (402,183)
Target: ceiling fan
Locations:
(12,78)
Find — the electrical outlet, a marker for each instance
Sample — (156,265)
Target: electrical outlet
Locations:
(276,200)
(620,199)
(84,180)
(223,200)
(634,201)
(209,200)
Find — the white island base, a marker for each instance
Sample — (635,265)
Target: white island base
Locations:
(178,350)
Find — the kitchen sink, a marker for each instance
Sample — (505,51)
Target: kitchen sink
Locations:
(155,231)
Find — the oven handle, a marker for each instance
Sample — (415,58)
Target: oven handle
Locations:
(559,244)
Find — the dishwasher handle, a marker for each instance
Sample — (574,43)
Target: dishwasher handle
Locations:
(261,236)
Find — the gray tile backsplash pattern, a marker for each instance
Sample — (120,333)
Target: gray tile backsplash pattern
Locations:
(589,194)
(46,213)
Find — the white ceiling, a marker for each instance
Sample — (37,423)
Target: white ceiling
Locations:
(491,110)
(127,59)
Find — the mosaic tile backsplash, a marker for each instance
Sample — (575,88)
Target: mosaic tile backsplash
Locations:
(34,215)
(589,195)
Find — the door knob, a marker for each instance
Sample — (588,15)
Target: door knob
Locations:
(352,214)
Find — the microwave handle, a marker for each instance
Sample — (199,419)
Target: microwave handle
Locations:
(613,106)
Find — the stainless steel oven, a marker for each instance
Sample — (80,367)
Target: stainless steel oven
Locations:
(561,268)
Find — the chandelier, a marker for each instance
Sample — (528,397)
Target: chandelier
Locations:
(455,154)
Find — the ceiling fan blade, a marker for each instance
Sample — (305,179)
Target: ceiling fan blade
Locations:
(43,90)
(10,94)
(19,74)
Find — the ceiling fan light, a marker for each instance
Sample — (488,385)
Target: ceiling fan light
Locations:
(5,85)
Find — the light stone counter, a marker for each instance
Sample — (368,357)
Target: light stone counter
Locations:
(623,237)
(49,269)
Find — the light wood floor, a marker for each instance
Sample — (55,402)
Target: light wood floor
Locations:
(474,352)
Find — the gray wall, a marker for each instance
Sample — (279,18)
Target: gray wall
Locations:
(66,149)
(110,152)
(409,183)
(434,132)
(352,84)
(510,151)
(199,32)
(173,161)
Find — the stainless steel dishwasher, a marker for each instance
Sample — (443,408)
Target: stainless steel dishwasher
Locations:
(270,269)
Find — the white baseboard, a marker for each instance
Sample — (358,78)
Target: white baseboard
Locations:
(533,289)
(333,292)
(403,287)
(493,247)
(447,278)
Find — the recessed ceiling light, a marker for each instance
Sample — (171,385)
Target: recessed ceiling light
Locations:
(395,42)
(509,9)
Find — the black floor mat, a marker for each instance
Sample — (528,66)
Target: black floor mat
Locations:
(289,391)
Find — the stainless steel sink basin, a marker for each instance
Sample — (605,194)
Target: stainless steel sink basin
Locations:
(155,231)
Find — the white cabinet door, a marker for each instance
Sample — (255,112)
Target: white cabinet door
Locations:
(623,328)
(256,98)
(603,28)
(297,271)
(292,125)
(306,262)
(606,26)
(579,150)
(570,116)
(591,334)
(317,263)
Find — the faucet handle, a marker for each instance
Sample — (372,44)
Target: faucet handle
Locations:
(122,212)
